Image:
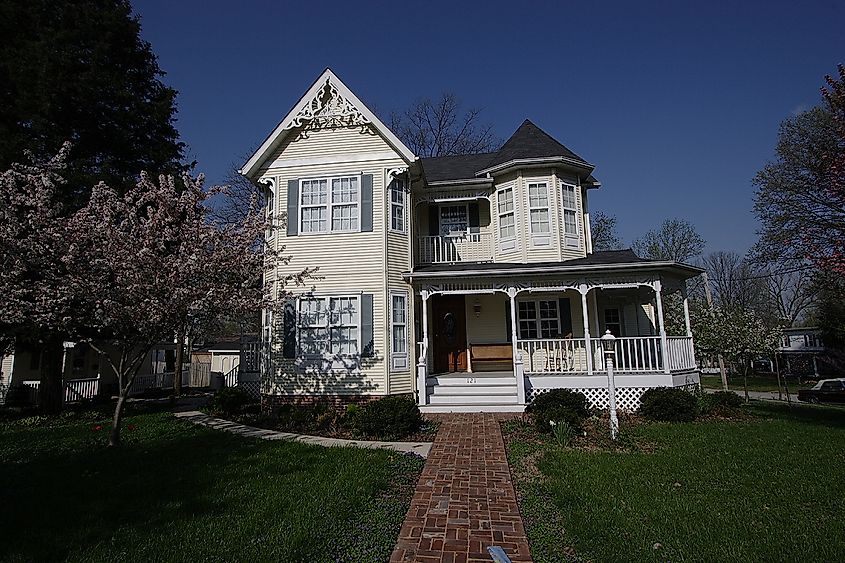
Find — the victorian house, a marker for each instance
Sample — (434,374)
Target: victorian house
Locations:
(468,281)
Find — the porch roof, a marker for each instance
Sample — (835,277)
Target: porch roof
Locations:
(608,261)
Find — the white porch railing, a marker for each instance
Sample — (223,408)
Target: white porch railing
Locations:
(681,353)
(554,355)
(469,247)
(632,354)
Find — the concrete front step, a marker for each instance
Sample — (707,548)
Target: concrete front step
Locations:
(511,399)
(470,379)
(472,389)
(432,409)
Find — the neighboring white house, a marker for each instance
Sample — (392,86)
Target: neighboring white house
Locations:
(803,352)
(469,281)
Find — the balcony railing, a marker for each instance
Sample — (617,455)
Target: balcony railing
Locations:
(469,247)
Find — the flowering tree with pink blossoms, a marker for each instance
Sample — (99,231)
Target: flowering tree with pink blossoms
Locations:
(36,308)
(125,271)
(154,257)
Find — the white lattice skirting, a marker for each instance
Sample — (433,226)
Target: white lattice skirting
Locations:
(627,398)
(251,387)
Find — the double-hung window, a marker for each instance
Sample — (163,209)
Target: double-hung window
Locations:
(399,329)
(538,213)
(538,319)
(330,204)
(397,205)
(504,201)
(328,326)
(570,215)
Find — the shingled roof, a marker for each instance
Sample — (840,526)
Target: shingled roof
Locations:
(527,142)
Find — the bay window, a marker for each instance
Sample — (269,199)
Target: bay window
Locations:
(570,215)
(538,208)
(504,201)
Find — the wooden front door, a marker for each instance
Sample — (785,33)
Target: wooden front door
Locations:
(450,333)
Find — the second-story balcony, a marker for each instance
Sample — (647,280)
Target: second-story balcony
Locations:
(458,247)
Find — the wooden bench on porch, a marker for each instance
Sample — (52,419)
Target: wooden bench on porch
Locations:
(490,356)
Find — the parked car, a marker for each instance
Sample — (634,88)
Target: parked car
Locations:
(825,391)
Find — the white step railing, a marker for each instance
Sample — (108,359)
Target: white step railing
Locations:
(681,353)
(469,247)
(81,389)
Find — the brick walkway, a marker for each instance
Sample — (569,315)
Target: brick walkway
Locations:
(464,501)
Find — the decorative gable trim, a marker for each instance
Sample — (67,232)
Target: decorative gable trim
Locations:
(328,103)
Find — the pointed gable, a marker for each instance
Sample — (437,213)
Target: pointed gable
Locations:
(328,103)
(530,142)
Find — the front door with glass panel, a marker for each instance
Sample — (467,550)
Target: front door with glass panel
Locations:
(450,333)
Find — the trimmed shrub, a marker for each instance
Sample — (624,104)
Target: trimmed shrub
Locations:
(559,405)
(389,418)
(668,404)
(722,403)
(231,401)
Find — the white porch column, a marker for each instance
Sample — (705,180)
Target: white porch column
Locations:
(664,343)
(518,367)
(583,289)
(686,309)
(422,361)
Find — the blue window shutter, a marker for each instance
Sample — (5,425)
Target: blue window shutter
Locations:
(367,342)
(565,312)
(473,217)
(289,329)
(367,203)
(293,208)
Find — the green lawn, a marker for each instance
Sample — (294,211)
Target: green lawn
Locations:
(179,492)
(769,488)
(755,383)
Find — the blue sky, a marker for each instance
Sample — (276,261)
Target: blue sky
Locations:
(677,105)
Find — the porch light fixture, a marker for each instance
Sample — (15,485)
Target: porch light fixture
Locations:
(476,308)
(608,344)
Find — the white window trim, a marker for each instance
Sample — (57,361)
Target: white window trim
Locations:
(404,205)
(328,205)
(328,326)
(537,319)
(512,212)
(440,207)
(547,207)
(577,234)
(270,215)
(393,324)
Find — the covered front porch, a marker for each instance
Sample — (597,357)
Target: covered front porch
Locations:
(492,345)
